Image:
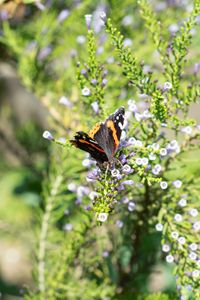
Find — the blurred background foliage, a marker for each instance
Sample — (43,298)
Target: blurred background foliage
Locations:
(40,45)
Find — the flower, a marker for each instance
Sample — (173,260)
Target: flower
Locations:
(193,246)
(163,185)
(128,182)
(103,16)
(131,206)
(102,217)
(128,42)
(138,161)
(127,20)
(166,248)
(95,106)
(63,15)
(178,218)
(145,161)
(195,273)
(187,130)
(115,173)
(152,156)
(196,226)
(193,256)
(81,39)
(169,258)
(119,223)
(65,101)
(126,169)
(68,227)
(88,21)
(87,162)
(181,240)
(167,86)
(86,91)
(93,195)
(159,227)
(44,52)
(177,184)
(72,187)
(175,235)
(193,212)
(182,202)
(156,169)
(163,152)
(47,135)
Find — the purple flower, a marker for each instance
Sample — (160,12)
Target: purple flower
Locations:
(44,52)
(95,106)
(47,135)
(119,223)
(131,206)
(126,169)
(128,182)
(65,101)
(88,21)
(63,15)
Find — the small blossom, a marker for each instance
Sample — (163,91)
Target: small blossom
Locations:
(166,248)
(193,256)
(88,20)
(196,226)
(187,130)
(193,246)
(131,206)
(81,39)
(47,135)
(175,235)
(145,161)
(72,187)
(167,86)
(181,240)
(152,156)
(159,227)
(138,161)
(68,227)
(44,52)
(156,169)
(102,217)
(81,191)
(163,152)
(119,223)
(132,141)
(178,218)
(86,91)
(63,15)
(169,258)
(127,20)
(195,273)
(126,169)
(155,146)
(115,173)
(103,16)
(65,101)
(138,143)
(177,184)
(138,116)
(182,202)
(173,28)
(105,253)
(87,162)
(193,212)
(95,106)
(104,82)
(128,42)
(93,195)
(163,185)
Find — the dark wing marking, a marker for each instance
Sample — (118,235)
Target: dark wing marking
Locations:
(109,133)
(87,144)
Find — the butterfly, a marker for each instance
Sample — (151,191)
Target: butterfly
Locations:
(103,140)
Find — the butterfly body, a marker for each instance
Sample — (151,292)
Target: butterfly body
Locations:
(103,140)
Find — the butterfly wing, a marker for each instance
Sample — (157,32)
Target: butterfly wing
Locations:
(84,142)
(108,134)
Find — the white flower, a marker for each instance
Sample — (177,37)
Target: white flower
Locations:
(159,227)
(187,130)
(173,28)
(86,91)
(145,161)
(63,15)
(131,206)
(127,20)
(163,185)
(193,212)
(155,146)
(156,169)
(181,240)
(177,184)
(119,223)
(65,101)
(174,235)
(115,173)
(138,116)
(163,152)
(68,227)
(196,226)
(138,143)
(195,273)
(167,85)
(152,156)
(47,135)
(80,39)
(103,16)
(193,256)
(193,246)
(72,187)
(169,258)
(93,195)
(132,141)
(178,218)
(165,248)
(95,106)
(182,202)
(128,42)
(138,161)
(86,162)
(102,217)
